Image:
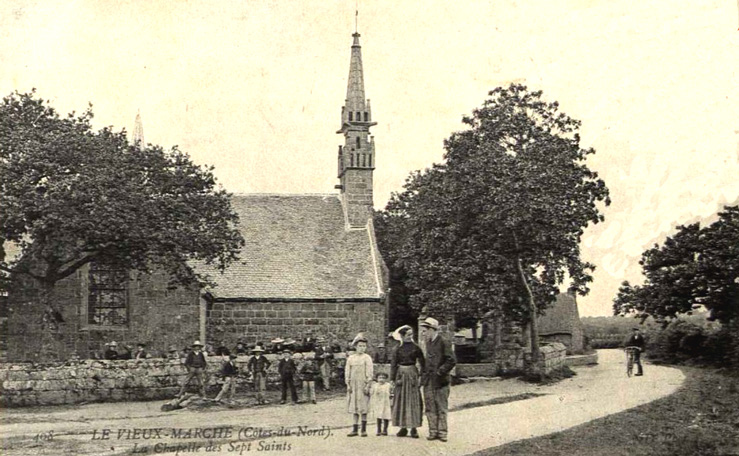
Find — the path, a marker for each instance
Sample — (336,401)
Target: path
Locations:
(595,392)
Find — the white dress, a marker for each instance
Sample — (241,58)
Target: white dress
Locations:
(358,375)
(380,401)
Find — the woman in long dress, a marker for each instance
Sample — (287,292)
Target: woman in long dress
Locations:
(407,405)
(358,377)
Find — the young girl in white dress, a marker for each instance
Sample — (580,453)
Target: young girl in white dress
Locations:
(358,378)
(380,394)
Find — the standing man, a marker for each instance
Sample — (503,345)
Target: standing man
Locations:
(636,340)
(323,354)
(287,370)
(436,381)
(258,366)
(229,371)
(195,363)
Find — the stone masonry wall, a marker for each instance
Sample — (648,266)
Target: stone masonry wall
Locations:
(358,195)
(28,384)
(157,316)
(263,321)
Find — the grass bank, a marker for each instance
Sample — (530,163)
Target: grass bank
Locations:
(701,418)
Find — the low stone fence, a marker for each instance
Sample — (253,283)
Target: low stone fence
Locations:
(25,384)
(552,357)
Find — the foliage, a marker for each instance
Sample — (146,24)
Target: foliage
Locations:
(496,226)
(70,195)
(683,341)
(697,267)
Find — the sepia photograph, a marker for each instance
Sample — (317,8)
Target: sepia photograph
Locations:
(369,227)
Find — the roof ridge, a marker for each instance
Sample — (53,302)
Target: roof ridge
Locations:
(285,194)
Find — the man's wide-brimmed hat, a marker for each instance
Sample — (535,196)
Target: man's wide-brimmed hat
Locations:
(172,349)
(432,323)
(197,344)
(635,328)
(258,348)
(278,341)
(290,341)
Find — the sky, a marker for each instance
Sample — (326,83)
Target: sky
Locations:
(255,88)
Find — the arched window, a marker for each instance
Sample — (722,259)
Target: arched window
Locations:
(359,116)
(351,116)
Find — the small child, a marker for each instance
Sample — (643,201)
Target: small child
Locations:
(380,394)
(309,372)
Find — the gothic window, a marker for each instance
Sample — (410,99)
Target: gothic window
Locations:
(351,116)
(369,159)
(366,116)
(359,144)
(359,116)
(107,303)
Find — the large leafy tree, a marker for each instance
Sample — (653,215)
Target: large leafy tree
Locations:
(70,195)
(496,227)
(697,267)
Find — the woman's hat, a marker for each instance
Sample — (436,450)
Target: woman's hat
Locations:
(396,334)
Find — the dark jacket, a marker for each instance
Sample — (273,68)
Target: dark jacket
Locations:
(196,360)
(286,368)
(323,356)
(440,361)
(110,354)
(381,357)
(229,369)
(309,371)
(258,365)
(635,340)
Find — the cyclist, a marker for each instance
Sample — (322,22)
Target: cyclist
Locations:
(636,340)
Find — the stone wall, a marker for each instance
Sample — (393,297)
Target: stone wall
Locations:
(552,357)
(157,315)
(27,384)
(254,322)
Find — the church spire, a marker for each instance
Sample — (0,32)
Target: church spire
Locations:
(357,156)
(138,131)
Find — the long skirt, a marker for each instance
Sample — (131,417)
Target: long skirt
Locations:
(407,405)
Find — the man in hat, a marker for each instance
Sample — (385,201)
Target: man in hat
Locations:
(636,340)
(241,348)
(287,370)
(258,366)
(140,351)
(381,354)
(195,363)
(436,379)
(173,353)
(323,355)
(111,352)
(229,371)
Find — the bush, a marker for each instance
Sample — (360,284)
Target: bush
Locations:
(682,341)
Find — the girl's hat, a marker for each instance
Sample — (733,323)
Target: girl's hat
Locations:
(360,338)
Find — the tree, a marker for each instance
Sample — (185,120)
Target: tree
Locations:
(496,227)
(696,267)
(70,195)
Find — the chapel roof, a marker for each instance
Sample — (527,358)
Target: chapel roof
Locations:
(298,247)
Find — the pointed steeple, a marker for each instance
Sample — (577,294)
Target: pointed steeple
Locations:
(138,131)
(357,156)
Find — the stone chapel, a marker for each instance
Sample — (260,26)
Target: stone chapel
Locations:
(310,266)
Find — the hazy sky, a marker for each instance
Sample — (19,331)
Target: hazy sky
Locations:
(255,88)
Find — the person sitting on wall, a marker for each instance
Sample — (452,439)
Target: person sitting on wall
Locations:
(291,344)
(173,353)
(277,345)
(221,349)
(241,349)
(111,351)
(381,356)
(140,351)
(229,371)
(196,363)
(258,366)
(309,343)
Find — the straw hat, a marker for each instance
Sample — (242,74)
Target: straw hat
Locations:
(197,344)
(432,323)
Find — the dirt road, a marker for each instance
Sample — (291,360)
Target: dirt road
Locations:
(321,429)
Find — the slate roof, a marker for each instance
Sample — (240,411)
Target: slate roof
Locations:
(297,247)
(560,317)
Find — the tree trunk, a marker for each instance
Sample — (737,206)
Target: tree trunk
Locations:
(533,324)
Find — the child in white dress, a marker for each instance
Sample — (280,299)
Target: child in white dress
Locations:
(380,395)
(358,378)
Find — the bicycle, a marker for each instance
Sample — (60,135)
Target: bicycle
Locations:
(630,356)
